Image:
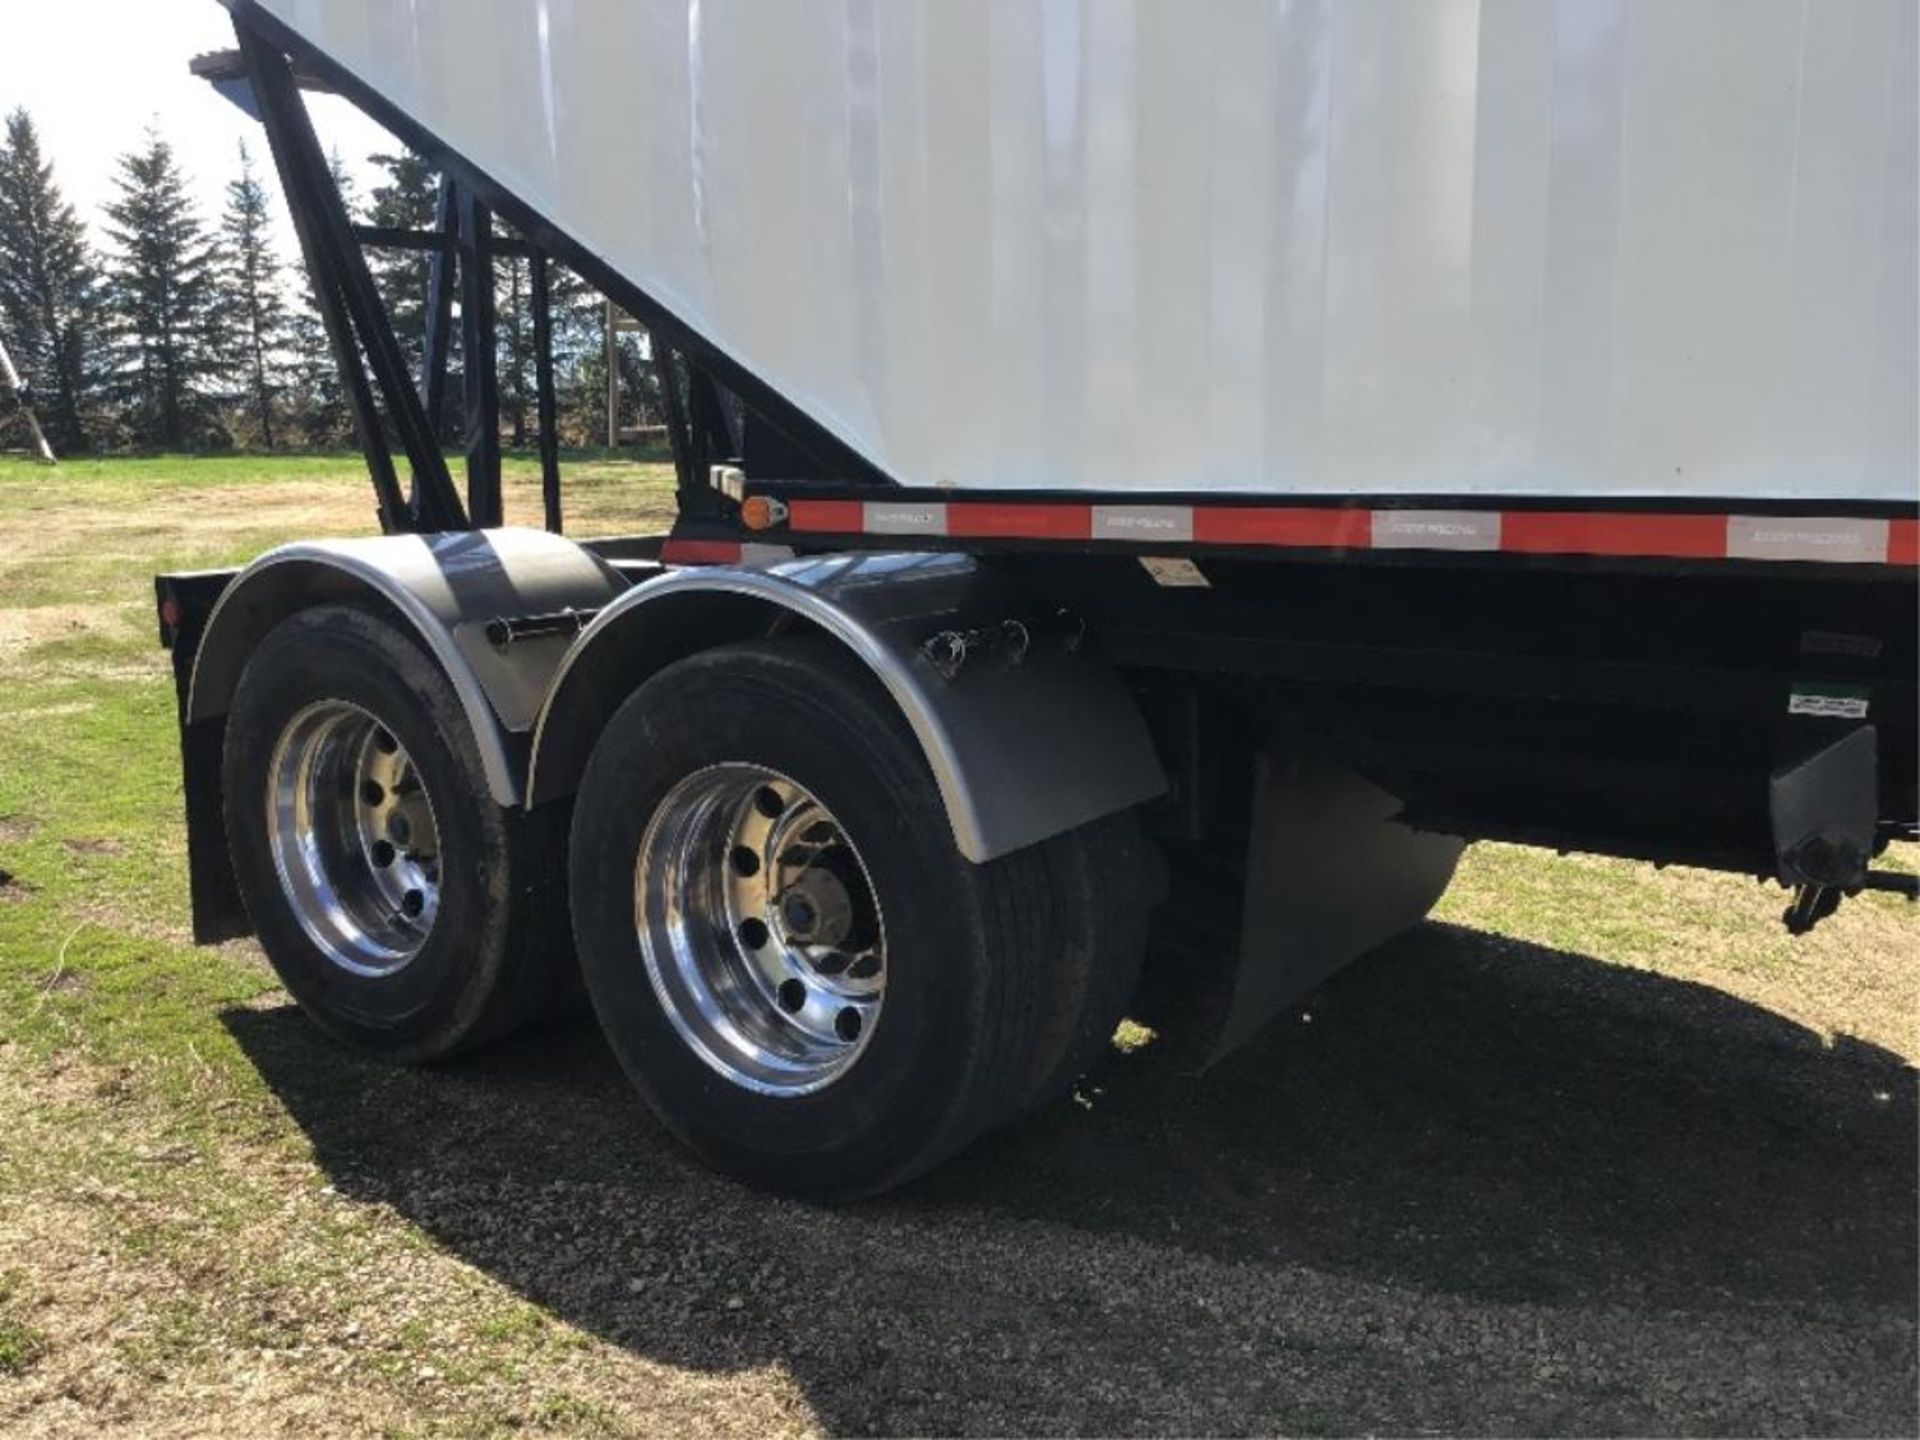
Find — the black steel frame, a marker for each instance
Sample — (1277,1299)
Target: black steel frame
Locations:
(703,390)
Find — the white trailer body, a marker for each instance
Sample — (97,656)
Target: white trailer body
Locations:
(1607,248)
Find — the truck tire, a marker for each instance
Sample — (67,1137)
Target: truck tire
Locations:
(792,961)
(1106,879)
(408,914)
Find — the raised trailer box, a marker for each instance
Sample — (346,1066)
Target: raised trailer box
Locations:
(1387,248)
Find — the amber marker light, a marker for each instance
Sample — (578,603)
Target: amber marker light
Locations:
(761,512)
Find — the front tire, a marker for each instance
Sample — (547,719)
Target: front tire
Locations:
(408,914)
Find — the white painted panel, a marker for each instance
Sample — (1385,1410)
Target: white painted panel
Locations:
(1548,247)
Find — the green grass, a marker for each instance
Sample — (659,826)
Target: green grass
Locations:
(127,1083)
(20,1343)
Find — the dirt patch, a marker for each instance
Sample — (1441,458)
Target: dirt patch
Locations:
(16,828)
(12,888)
(48,712)
(91,846)
(24,626)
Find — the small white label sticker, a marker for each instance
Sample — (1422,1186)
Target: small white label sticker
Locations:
(880,517)
(1828,706)
(1788,537)
(1143,522)
(1436,530)
(1172,571)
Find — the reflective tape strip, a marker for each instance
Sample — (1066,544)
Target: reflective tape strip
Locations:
(882,517)
(1550,532)
(1656,535)
(700,552)
(1436,530)
(1903,542)
(831,517)
(984,520)
(1801,537)
(753,553)
(1286,525)
(1169,523)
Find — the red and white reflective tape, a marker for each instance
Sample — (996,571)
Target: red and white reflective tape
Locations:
(684,550)
(1647,534)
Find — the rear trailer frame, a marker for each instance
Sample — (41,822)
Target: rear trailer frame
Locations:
(1307,705)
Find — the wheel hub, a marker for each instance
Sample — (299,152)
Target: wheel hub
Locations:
(353,836)
(815,909)
(760,930)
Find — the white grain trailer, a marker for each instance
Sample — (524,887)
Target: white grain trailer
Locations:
(1154,481)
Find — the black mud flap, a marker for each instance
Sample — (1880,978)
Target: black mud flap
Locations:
(1825,809)
(1331,874)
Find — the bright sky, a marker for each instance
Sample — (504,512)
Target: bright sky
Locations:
(96,73)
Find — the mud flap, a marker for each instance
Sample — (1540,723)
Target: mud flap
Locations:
(1331,873)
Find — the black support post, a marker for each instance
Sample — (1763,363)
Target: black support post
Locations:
(543,391)
(349,302)
(478,360)
(714,437)
(673,409)
(267,70)
(440,275)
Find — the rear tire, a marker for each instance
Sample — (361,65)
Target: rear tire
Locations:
(688,981)
(408,914)
(1107,878)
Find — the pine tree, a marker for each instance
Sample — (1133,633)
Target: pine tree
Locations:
(408,200)
(49,288)
(320,400)
(249,282)
(513,306)
(167,325)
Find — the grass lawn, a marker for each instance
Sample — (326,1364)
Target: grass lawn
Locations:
(1599,1150)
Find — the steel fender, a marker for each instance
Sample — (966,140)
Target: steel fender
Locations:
(447,588)
(1021,751)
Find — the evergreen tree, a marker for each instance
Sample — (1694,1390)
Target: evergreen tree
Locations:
(583,386)
(49,288)
(258,330)
(407,200)
(167,330)
(320,400)
(513,307)
(578,341)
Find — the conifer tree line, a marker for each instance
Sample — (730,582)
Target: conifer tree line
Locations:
(178,330)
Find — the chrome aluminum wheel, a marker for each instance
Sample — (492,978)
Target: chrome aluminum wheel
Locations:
(760,929)
(353,837)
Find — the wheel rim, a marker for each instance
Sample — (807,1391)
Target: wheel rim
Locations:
(354,838)
(760,929)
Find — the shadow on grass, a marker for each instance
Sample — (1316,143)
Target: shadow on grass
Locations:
(1464,1115)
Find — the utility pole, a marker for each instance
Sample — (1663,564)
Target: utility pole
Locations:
(613,378)
(12,387)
